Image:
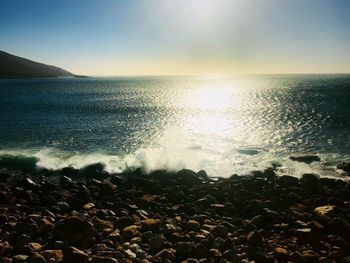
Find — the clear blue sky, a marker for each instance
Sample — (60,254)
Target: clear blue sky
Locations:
(158,37)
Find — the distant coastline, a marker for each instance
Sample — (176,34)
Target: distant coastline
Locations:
(14,67)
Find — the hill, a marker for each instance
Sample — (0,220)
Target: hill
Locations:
(17,67)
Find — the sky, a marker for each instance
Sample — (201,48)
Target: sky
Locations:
(180,37)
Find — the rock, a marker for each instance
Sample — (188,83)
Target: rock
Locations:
(156,242)
(220,231)
(166,254)
(282,254)
(28,228)
(130,254)
(257,220)
(129,232)
(64,207)
(36,258)
(100,225)
(310,181)
(88,206)
(231,256)
(99,259)
(55,254)
(74,255)
(305,158)
(184,249)
(94,171)
(20,258)
(191,260)
(193,225)
(307,234)
(146,236)
(255,238)
(150,224)
(5,249)
(187,177)
(309,256)
(32,247)
(344,166)
(77,231)
(269,174)
(326,210)
(287,180)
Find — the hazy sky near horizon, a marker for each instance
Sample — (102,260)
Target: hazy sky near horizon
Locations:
(180,37)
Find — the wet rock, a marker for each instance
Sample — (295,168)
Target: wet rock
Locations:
(187,177)
(287,180)
(310,181)
(344,166)
(305,158)
(94,171)
(77,231)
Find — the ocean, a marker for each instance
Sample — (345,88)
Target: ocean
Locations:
(222,124)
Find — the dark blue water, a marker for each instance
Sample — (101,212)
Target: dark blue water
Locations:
(221,124)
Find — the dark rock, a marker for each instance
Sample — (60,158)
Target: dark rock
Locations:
(74,255)
(193,225)
(305,158)
(99,259)
(36,258)
(255,238)
(94,171)
(184,249)
(344,166)
(310,181)
(220,231)
(55,254)
(156,242)
(287,180)
(166,254)
(76,230)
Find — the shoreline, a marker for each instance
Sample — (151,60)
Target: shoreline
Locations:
(89,215)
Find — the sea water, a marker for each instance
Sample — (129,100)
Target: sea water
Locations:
(222,124)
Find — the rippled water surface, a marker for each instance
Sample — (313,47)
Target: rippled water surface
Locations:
(224,125)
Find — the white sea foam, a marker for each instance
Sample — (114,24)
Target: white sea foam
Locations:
(173,158)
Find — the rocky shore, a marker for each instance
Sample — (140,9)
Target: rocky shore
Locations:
(89,215)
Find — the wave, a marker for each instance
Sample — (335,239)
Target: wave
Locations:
(173,158)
